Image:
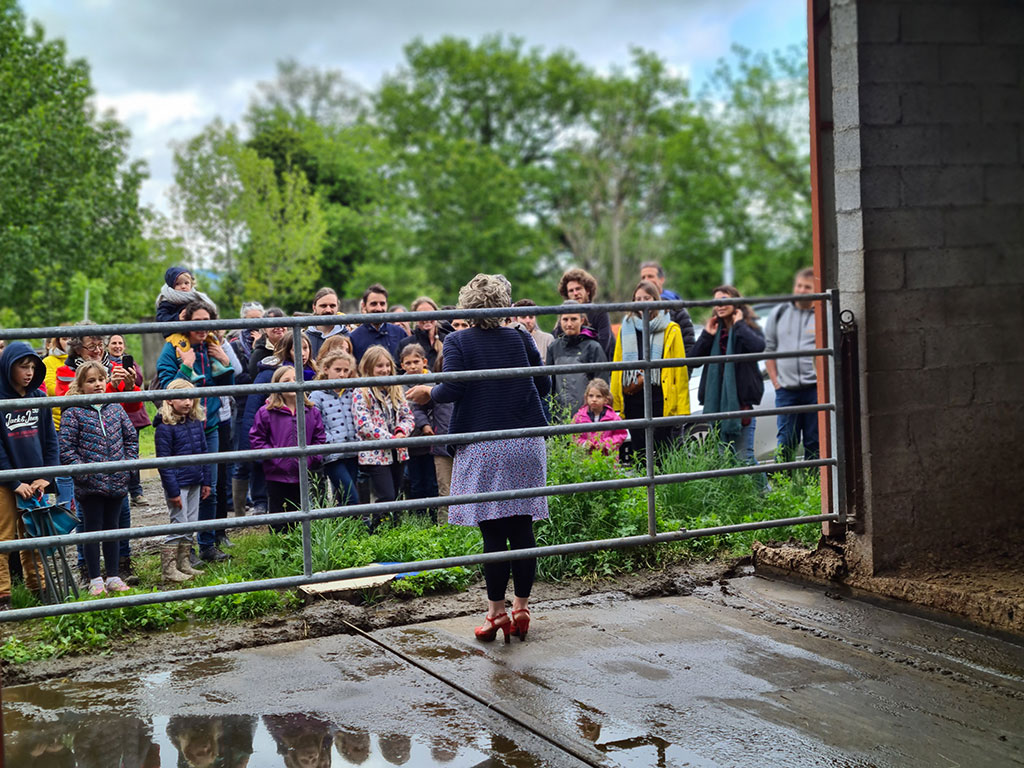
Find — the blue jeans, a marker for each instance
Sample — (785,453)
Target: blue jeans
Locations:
(208,506)
(342,474)
(743,448)
(796,428)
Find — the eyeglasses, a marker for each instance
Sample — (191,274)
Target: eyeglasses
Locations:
(94,344)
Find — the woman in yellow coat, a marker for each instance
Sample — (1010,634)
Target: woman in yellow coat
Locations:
(670,387)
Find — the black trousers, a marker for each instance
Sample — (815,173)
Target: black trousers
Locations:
(501,535)
(282,497)
(101,513)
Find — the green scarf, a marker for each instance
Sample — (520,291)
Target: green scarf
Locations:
(720,390)
(630,326)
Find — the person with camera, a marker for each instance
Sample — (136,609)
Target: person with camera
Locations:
(670,387)
(130,380)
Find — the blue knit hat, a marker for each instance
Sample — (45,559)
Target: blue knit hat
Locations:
(173,273)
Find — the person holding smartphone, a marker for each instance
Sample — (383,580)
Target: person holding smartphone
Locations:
(129,379)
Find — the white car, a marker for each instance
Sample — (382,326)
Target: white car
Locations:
(765,428)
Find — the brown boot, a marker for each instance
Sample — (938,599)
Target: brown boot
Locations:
(184,563)
(168,568)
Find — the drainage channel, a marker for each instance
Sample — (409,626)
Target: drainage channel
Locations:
(493,706)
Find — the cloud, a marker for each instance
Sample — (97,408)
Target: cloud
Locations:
(168,68)
(154,111)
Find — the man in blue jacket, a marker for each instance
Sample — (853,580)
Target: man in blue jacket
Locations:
(388,335)
(27,440)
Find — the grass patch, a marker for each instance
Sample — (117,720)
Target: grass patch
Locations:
(345,543)
(147,446)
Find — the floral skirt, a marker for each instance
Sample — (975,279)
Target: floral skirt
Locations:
(499,465)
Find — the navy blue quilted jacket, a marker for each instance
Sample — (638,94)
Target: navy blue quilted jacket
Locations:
(89,434)
(182,439)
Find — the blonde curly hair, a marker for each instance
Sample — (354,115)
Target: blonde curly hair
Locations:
(486,292)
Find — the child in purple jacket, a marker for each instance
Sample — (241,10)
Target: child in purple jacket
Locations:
(275,427)
(598,407)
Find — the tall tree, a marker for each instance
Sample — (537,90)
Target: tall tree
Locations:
(323,96)
(207,196)
(280,261)
(517,103)
(607,203)
(69,197)
(741,179)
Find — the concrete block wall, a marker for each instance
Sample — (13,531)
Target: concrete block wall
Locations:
(929,208)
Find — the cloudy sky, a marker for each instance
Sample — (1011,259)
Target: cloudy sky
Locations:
(168,68)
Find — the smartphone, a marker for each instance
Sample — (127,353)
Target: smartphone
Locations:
(127,361)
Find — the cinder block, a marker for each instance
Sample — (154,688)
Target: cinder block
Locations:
(846,150)
(846,108)
(1004,184)
(878,23)
(1006,264)
(950,185)
(962,347)
(977,305)
(979,64)
(930,104)
(1000,383)
(850,274)
(946,267)
(893,476)
(1002,103)
(901,145)
(1002,23)
(849,231)
(984,225)
(847,191)
(880,104)
(940,23)
(895,350)
(880,187)
(898,63)
(845,70)
(907,391)
(961,386)
(902,228)
(901,310)
(884,271)
(843,22)
(988,144)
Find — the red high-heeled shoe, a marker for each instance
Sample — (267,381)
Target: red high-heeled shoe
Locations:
(491,625)
(521,623)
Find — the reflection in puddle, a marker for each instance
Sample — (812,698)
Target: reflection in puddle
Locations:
(70,738)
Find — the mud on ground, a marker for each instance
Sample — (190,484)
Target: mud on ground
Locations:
(981,586)
(151,652)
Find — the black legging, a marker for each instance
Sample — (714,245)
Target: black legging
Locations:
(283,497)
(100,513)
(500,535)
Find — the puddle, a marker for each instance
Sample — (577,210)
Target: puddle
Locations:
(45,728)
(270,741)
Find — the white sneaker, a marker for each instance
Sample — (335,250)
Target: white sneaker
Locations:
(96,587)
(116,584)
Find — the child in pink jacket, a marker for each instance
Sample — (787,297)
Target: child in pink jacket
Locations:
(598,407)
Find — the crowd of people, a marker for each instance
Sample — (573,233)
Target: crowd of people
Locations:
(344,417)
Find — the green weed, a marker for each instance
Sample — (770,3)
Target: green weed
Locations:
(345,543)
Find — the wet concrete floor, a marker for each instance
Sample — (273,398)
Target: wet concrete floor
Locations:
(749,672)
